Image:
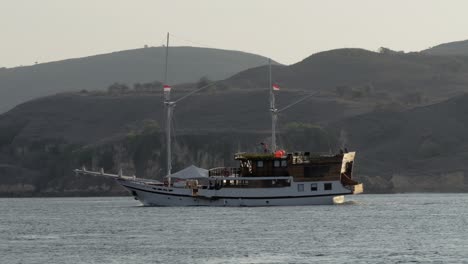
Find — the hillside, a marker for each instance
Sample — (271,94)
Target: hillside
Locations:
(86,118)
(186,64)
(422,149)
(391,108)
(450,48)
(362,73)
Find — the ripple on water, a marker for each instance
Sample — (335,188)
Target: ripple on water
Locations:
(401,228)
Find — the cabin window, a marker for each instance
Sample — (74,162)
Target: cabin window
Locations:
(300,187)
(276,163)
(259,163)
(284,163)
(313,187)
(327,186)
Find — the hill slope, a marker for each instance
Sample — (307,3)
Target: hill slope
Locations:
(186,64)
(420,149)
(41,141)
(450,48)
(391,76)
(425,146)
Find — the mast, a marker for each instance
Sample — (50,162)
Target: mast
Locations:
(169,110)
(165,65)
(273,110)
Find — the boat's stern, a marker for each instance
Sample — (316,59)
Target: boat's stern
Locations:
(358,188)
(347,178)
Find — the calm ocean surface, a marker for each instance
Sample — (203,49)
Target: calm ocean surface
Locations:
(401,228)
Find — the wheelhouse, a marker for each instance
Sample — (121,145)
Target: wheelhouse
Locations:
(302,166)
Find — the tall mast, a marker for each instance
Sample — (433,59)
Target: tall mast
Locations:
(273,110)
(165,65)
(169,109)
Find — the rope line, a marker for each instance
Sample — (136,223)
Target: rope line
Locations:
(193,42)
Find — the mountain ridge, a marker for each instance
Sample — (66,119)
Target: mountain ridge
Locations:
(376,103)
(186,64)
(454,48)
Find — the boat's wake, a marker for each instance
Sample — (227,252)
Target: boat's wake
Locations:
(350,203)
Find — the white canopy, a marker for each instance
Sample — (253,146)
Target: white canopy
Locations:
(191,172)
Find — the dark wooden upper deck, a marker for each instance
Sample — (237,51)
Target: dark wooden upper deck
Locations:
(303,166)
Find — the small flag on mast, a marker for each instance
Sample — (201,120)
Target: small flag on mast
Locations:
(276,87)
(167,88)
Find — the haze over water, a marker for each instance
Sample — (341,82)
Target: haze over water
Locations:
(419,228)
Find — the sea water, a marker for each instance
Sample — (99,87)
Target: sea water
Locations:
(399,228)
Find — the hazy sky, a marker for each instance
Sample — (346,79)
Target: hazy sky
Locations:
(287,31)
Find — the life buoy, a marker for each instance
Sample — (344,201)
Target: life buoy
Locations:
(279,153)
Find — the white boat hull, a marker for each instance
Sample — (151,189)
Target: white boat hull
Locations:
(164,196)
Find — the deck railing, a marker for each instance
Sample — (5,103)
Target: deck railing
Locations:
(224,171)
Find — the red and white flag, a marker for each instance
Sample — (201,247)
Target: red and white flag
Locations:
(276,87)
(167,88)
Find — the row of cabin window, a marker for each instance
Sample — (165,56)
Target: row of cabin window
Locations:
(314,187)
(276,163)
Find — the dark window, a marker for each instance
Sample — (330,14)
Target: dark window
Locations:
(313,187)
(327,186)
(284,163)
(276,163)
(260,163)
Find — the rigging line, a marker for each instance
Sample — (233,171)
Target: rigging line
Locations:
(296,102)
(194,91)
(164,39)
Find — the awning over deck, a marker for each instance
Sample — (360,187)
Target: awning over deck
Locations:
(191,172)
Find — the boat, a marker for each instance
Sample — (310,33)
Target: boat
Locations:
(273,177)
